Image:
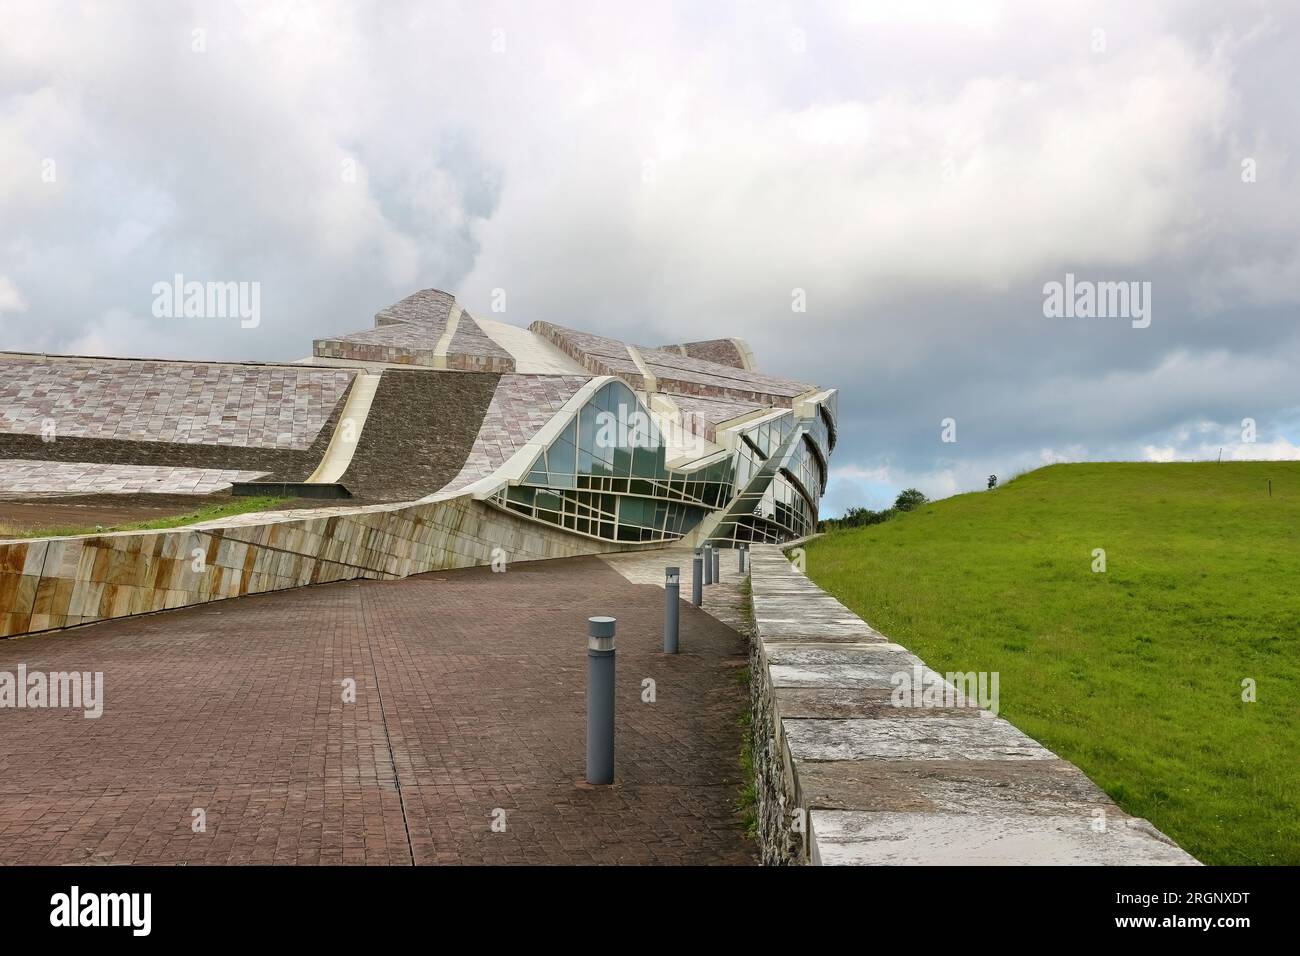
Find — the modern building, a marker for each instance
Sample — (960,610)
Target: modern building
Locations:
(434,439)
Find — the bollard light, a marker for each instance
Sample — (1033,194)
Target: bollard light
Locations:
(672,609)
(717,565)
(708,564)
(600,699)
(697,577)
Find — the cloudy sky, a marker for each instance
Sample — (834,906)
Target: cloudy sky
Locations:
(915,172)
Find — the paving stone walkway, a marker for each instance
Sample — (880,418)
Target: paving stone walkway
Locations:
(469,700)
(727,599)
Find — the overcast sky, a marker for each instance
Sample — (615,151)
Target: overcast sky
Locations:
(664,172)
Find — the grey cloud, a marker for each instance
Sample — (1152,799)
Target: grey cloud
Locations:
(919,170)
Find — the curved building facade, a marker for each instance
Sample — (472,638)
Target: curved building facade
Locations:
(608,474)
(432,439)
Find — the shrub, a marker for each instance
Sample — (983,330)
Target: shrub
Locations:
(909,499)
(856,518)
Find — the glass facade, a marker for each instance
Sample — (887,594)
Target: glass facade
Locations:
(606,476)
(780,501)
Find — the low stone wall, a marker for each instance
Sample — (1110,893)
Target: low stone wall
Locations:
(48,583)
(847,774)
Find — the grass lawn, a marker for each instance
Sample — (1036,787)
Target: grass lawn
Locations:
(1134,674)
(235,506)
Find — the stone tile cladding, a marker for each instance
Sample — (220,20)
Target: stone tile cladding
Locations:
(471,350)
(408,333)
(718,351)
(21,455)
(673,371)
(429,307)
(521,405)
(596,353)
(692,376)
(399,335)
(702,414)
(421,427)
(59,582)
(30,478)
(258,406)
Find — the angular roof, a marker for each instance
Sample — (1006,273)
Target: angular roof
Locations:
(655,369)
(733,352)
(428,328)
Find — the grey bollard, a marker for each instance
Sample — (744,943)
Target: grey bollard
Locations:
(743,551)
(600,699)
(708,564)
(672,600)
(717,565)
(697,578)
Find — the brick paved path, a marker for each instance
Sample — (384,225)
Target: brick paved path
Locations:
(470,697)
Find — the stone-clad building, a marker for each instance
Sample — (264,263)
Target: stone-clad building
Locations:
(434,439)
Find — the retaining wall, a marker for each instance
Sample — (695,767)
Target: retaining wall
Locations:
(848,775)
(48,583)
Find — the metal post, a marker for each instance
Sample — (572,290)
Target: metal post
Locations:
(708,564)
(600,699)
(697,577)
(743,551)
(717,565)
(672,600)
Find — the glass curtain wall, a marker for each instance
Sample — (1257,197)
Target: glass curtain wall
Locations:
(606,476)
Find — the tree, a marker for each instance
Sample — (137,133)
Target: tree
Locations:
(909,499)
(857,517)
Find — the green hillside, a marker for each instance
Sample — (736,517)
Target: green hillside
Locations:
(1134,674)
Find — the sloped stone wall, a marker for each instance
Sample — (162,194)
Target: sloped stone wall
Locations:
(421,427)
(85,440)
(51,583)
(188,403)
